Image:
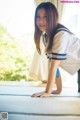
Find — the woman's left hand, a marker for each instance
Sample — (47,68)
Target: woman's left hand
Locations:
(41,94)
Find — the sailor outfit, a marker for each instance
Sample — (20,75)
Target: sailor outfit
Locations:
(66,47)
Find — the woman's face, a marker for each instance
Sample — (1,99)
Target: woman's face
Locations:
(41,20)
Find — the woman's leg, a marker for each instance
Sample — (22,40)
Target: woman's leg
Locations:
(79,81)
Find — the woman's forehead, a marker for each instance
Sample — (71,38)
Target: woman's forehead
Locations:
(41,11)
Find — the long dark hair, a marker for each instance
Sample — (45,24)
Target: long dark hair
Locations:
(52,20)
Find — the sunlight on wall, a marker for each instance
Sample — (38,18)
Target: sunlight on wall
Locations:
(17,16)
(71,17)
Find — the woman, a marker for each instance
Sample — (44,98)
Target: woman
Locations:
(62,47)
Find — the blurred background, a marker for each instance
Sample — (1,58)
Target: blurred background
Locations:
(17,35)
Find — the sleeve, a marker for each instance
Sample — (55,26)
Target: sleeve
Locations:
(60,46)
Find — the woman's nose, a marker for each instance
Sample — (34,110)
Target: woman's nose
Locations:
(42,20)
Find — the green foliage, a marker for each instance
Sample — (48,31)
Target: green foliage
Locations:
(14,63)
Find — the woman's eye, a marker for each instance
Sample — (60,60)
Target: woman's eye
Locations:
(45,16)
(38,17)
(41,18)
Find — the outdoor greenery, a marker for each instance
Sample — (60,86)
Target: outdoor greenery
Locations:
(14,60)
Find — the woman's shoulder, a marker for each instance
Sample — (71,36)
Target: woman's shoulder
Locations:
(62,34)
(60,30)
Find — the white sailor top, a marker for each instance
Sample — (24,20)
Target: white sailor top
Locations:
(66,47)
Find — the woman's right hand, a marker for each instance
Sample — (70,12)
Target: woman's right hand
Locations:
(41,94)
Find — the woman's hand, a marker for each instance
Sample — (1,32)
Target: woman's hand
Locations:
(41,94)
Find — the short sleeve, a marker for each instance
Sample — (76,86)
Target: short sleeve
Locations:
(60,46)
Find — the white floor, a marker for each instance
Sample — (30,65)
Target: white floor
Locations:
(18,103)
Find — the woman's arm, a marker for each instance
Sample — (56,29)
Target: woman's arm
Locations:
(58,83)
(52,75)
(51,79)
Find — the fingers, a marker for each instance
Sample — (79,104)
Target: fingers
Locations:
(36,95)
(44,96)
(41,95)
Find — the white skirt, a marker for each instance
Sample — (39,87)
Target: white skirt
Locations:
(39,65)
